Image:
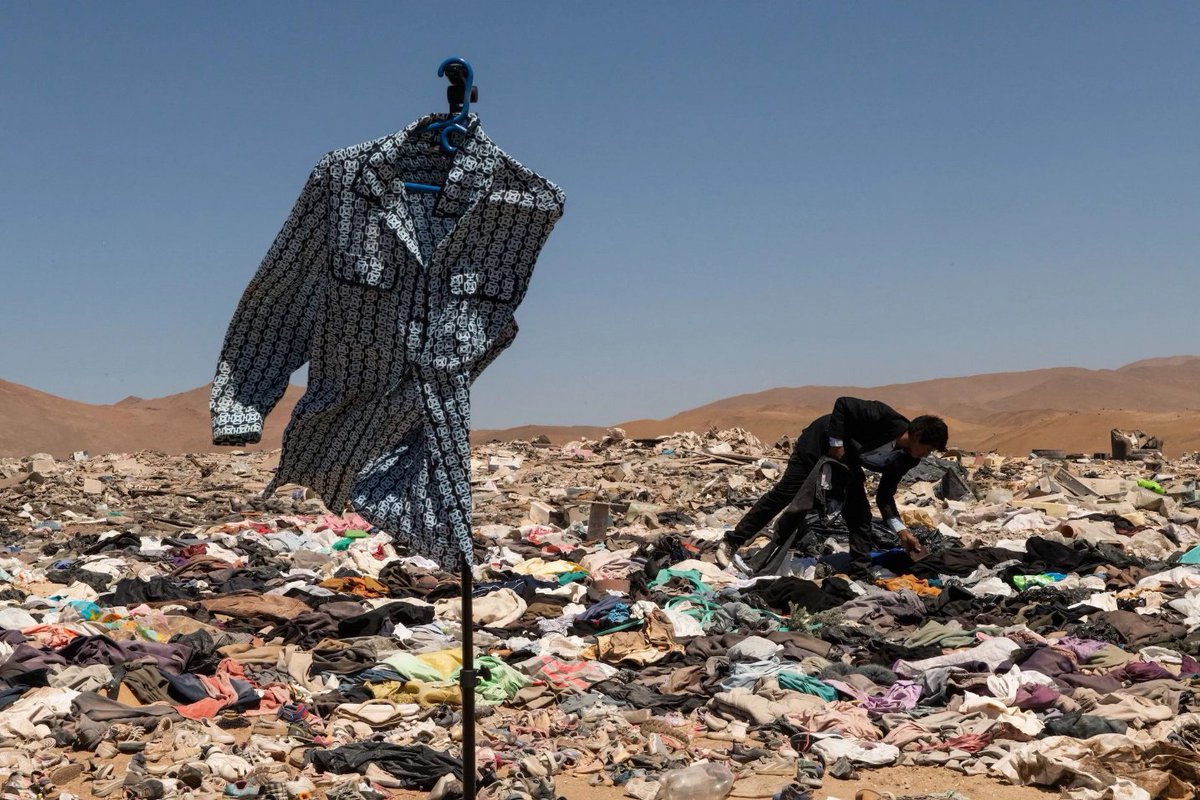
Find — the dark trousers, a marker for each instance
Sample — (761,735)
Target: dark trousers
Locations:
(850,484)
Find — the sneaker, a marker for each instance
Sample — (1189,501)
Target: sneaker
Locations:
(301,789)
(744,754)
(64,774)
(736,732)
(726,553)
(274,790)
(843,770)
(104,787)
(794,791)
(230,767)
(217,734)
(191,776)
(144,790)
(809,773)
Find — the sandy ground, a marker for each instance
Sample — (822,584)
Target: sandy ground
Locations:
(897,780)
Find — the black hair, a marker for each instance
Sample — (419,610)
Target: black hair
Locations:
(929,430)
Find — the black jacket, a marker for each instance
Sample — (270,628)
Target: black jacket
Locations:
(864,425)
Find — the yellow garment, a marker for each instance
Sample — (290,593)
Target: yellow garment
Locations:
(426,695)
(541,568)
(443,661)
(910,582)
(911,517)
(390,690)
(436,694)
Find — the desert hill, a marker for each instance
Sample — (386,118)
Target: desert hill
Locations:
(1067,407)
(1013,412)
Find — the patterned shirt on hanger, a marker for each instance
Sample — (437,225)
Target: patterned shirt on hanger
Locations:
(397,300)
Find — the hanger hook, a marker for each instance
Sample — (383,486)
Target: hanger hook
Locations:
(452,126)
(460,73)
(447,69)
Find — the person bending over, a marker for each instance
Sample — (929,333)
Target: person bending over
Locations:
(862,434)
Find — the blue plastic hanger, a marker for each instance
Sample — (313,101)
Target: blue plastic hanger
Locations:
(462,82)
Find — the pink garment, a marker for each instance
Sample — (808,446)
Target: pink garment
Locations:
(551,541)
(840,717)
(233,669)
(568,675)
(52,636)
(341,524)
(906,733)
(274,697)
(241,525)
(900,696)
(971,743)
(221,694)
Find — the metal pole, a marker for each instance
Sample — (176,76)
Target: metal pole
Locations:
(467,679)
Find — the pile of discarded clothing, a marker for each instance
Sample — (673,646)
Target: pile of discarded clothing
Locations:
(164,633)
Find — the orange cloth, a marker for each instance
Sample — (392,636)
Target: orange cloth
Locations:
(910,582)
(363,587)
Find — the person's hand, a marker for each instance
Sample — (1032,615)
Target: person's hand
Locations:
(913,547)
(838,453)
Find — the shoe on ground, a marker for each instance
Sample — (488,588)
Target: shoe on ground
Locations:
(727,556)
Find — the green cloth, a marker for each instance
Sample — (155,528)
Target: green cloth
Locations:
(702,610)
(1025,581)
(354,533)
(1151,485)
(571,577)
(501,685)
(807,684)
(341,544)
(691,575)
(950,635)
(1111,657)
(413,668)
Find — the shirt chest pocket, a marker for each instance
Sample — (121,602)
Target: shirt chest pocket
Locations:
(495,285)
(366,251)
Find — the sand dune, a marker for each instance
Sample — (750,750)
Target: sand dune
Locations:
(1067,407)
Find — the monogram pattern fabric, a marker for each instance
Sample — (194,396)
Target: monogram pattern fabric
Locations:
(397,300)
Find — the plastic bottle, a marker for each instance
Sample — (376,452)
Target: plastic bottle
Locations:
(698,782)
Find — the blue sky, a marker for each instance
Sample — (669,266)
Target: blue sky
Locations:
(758,194)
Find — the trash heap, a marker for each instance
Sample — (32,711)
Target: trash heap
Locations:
(167,632)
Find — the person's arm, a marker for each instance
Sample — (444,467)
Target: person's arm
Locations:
(837,421)
(885,495)
(885,501)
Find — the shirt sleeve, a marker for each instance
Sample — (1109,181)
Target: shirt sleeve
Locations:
(272,328)
(889,482)
(837,419)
